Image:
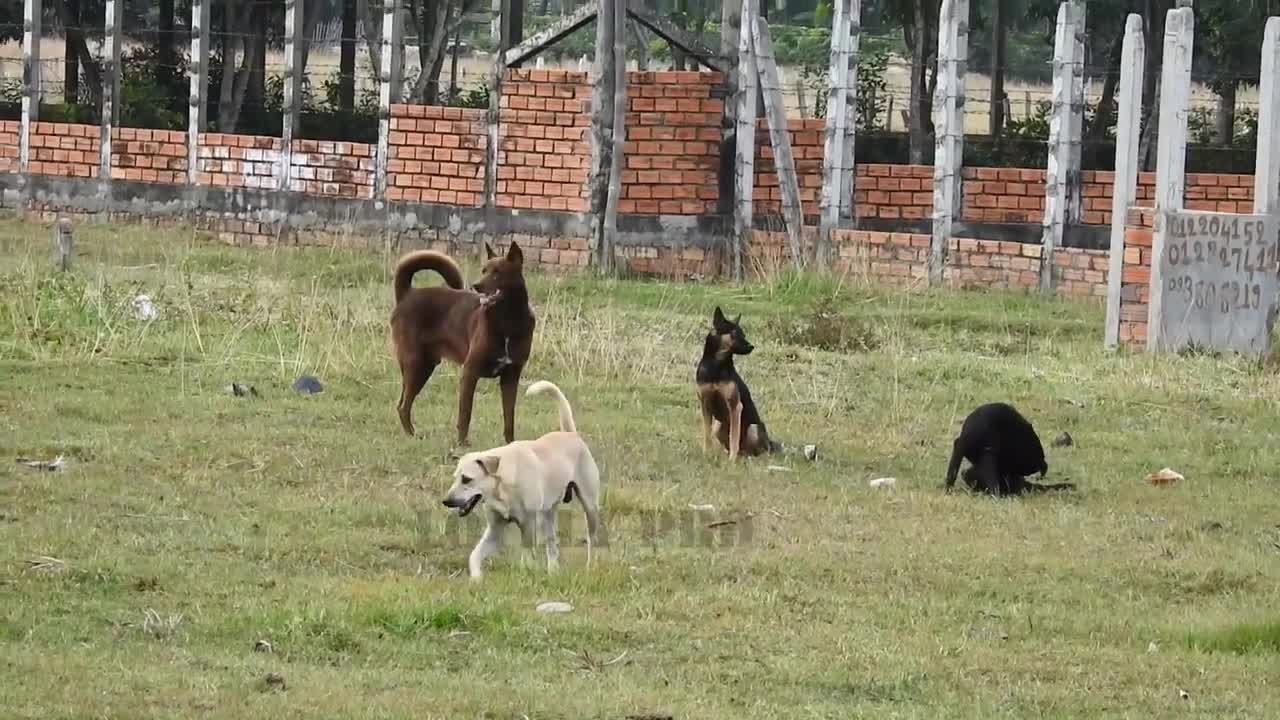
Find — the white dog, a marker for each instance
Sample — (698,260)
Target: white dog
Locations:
(524,481)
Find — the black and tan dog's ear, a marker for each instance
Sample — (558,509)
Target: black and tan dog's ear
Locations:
(489,463)
(515,254)
(488,251)
(717,318)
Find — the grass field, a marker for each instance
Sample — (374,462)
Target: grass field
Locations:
(190,524)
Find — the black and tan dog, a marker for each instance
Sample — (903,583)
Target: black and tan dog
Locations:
(727,408)
(488,330)
(1003,449)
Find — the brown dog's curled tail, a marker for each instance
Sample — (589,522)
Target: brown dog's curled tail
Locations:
(566,412)
(426,260)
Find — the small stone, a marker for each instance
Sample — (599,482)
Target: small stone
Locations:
(1153,648)
(308,385)
(1166,476)
(883,482)
(241,390)
(275,681)
(144,309)
(1063,440)
(548,608)
(811,452)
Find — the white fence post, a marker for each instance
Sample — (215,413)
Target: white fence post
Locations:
(388,92)
(198,103)
(1266,178)
(1061,174)
(111,41)
(293,40)
(1171,147)
(744,157)
(1075,180)
(1125,188)
(836,133)
(948,108)
(31,14)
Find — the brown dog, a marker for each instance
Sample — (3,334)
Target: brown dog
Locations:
(488,331)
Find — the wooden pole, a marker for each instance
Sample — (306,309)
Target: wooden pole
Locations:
(111,42)
(198,102)
(744,157)
(1129,98)
(1266,178)
(1171,148)
(835,133)
(948,107)
(388,92)
(497,72)
(784,162)
(293,43)
(31,14)
(1060,175)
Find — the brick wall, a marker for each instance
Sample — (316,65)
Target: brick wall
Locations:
(1135,275)
(332,169)
(673,144)
(247,161)
(65,149)
(1003,195)
(437,155)
(544,153)
(9,130)
(1017,195)
(894,191)
(806,147)
(153,156)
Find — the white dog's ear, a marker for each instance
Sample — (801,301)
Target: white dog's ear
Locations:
(489,463)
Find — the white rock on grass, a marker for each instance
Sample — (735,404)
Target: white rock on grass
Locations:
(555,607)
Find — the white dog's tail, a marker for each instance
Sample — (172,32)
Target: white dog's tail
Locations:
(566,412)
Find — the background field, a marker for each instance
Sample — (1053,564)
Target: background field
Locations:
(190,524)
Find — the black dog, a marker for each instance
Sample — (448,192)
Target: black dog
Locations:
(725,397)
(1002,449)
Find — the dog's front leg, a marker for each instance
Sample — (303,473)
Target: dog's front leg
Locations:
(490,543)
(707,430)
(735,430)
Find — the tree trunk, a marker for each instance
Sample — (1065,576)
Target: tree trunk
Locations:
(165,38)
(256,95)
(347,57)
(373,32)
(998,39)
(681,18)
(71,62)
(1107,104)
(1153,24)
(79,49)
(235,83)
(1224,132)
(915,37)
(642,48)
